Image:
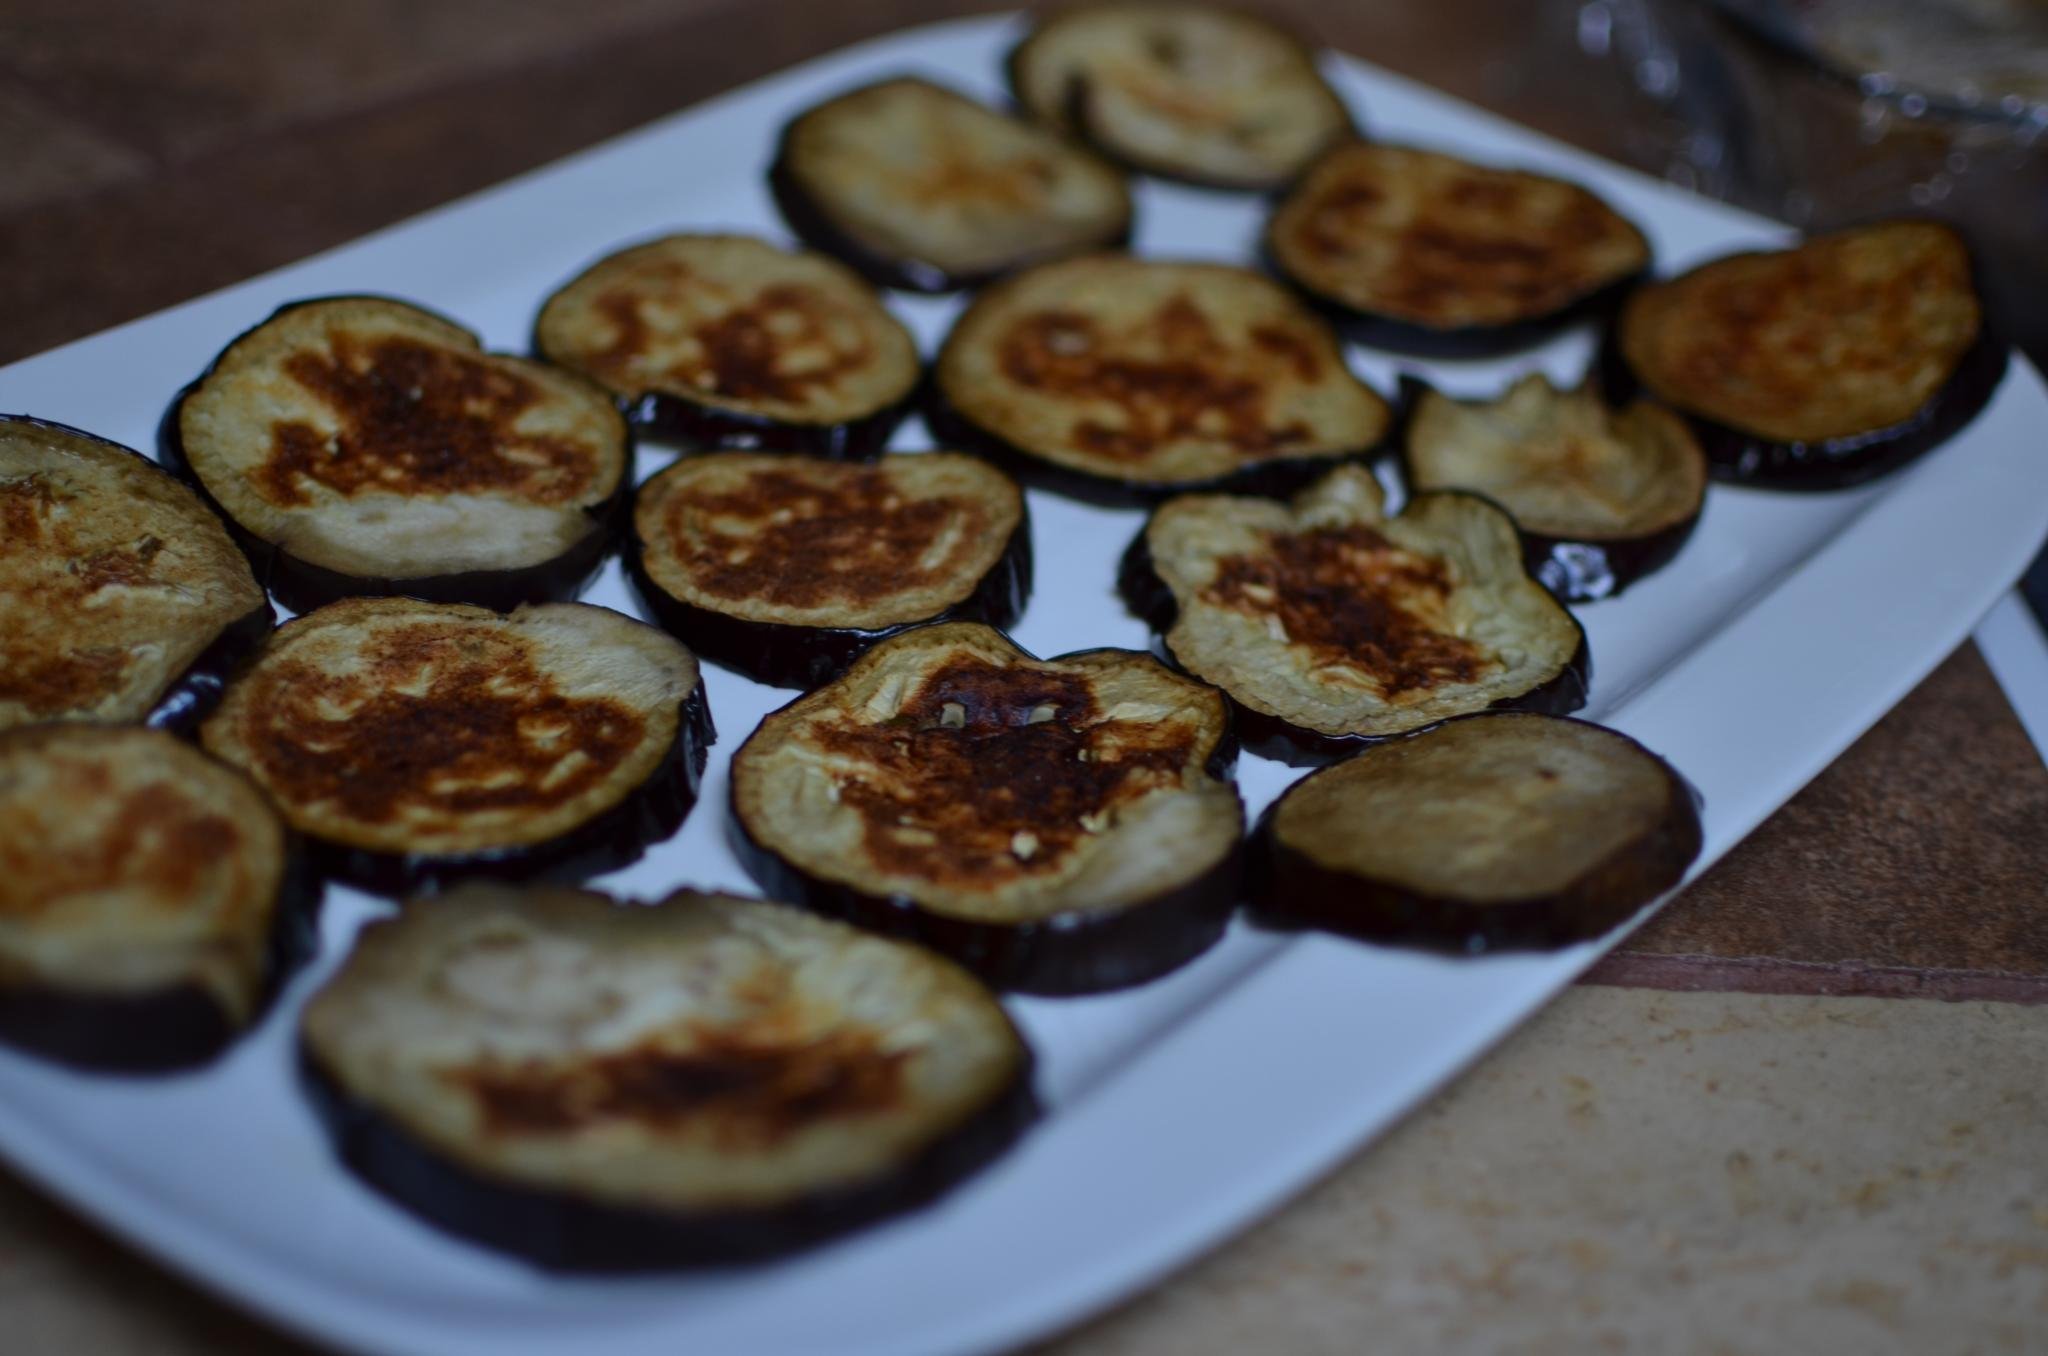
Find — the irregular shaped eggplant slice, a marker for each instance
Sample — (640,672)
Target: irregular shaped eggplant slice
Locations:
(362,446)
(1500,830)
(1121,381)
(1216,97)
(1056,826)
(416,743)
(121,596)
(1820,366)
(709,1080)
(1603,496)
(786,569)
(151,901)
(1425,253)
(724,341)
(1332,626)
(918,187)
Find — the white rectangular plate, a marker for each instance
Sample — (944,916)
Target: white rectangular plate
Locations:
(1178,1112)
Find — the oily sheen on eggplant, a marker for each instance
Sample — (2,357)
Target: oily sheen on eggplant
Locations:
(1421,252)
(1489,831)
(363,446)
(1332,625)
(916,186)
(1216,97)
(1603,496)
(121,596)
(725,341)
(1057,826)
(417,743)
(705,1081)
(1820,366)
(786,569)
(1121,381)
(151,901)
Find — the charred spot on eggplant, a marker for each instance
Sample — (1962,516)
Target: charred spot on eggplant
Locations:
(708,1080)
(918,187)
(786,569)
(1603,496)
(1211,96)
(1819,366)
(1489,831)
(1332,625)
(416,743)
(1056,826)
(725,341)
(1425,253)
(151,901)
(1121,381)
(121,596)
(362,446)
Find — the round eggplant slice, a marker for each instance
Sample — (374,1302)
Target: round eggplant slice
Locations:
(121,596)
(151,902)
(1426,253)
(416,743)
(1056,826)
(1332,626)
(1603,496)
(724,341)
(708,1080)
(1122,381)
(786,569)
(1215,97)
(1820,366)
(1490,831)
(918,187)
(361,446)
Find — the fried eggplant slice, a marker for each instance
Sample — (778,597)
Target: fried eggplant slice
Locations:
(1332,625)
(725,341)
(1425,253)
(1057,826)
(1603,496)
(361,446)
(121,597)
(709,1080)
(416,743)
(1121,381)
(918,187)
(786,569)
(1485,832)
(1820,366)
(1216,97)
(151,900)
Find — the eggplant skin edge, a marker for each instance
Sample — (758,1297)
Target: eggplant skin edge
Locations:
(1149,599)
(698,427)
(561,1231)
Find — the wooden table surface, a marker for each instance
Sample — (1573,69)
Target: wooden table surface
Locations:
(1802,1108)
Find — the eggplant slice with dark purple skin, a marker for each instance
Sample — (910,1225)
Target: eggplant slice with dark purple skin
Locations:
(1216,97)
(918,187)
(417,743)
(1057,826)
(121,597)
(725,341)
(362,446)
(1425,253)
(1333,626)
(151,901)
(1122,381)
(786,569)
(1485,832)
(1821,366)
(710,1080)
(1603,496)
